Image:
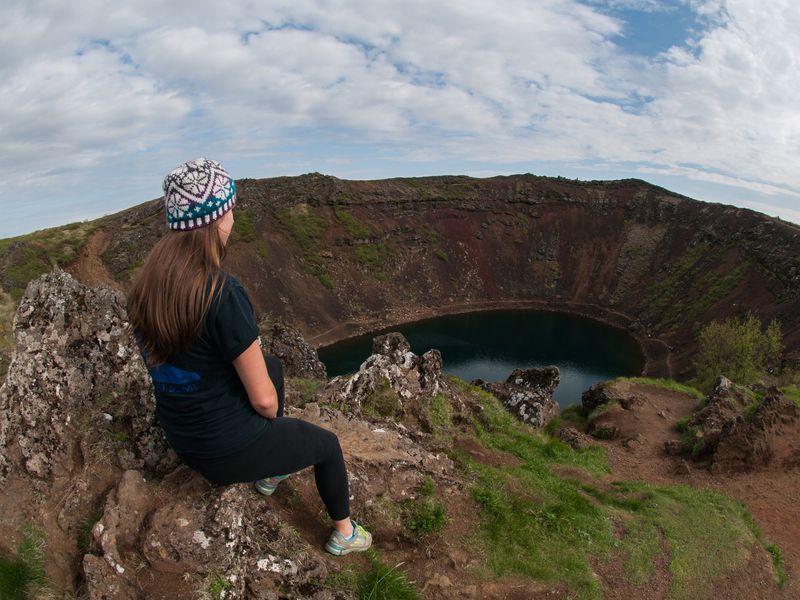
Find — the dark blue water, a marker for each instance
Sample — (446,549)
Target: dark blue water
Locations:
(489,345)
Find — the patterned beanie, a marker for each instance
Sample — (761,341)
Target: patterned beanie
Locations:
(197,193)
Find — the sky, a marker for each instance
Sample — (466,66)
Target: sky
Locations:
(99,100)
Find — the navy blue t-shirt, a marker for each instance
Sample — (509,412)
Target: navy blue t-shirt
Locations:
(200,400)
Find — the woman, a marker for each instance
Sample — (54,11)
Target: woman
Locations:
(219,402)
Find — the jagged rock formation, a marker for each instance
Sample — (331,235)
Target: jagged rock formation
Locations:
(391,377)
(528,394)
(78,432)
(605,404)
(736,432)
(73,376)
(299,359)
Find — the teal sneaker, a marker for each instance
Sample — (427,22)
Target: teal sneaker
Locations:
(267,486)
(358,542)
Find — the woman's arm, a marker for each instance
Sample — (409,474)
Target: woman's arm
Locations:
(252,371)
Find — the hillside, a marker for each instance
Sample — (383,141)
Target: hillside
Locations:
(339,257)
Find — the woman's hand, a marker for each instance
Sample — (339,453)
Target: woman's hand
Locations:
(252,370)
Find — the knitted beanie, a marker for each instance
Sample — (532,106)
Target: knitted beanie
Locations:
(197,193)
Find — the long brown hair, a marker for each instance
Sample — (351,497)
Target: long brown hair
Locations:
(173,290)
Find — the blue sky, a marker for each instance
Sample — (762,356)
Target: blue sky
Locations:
(698,96)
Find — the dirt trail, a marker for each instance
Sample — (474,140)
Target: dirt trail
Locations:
(769,494)
(90,268)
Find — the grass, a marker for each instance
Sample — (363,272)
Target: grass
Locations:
(21,576)
(217,585)
(355,229)
(668,384)
(382,582)
(601,408)
(441,254)
(382,403)
(245,229)
(792,392)
(440,414)
(84,531)
(26,257)
(750,411)
(307,230)
(772,549)
(306,389)
(374,255)
(528,507)
(692,440)
(425,516)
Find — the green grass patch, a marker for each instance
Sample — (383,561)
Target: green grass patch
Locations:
(572,415)
(355,229)
(709,293)
(383,403)
(682,423)
(792,392)
(374,255)
(217,585)
(84,531)
(751,409)
(21,576)
(306,389)
(526,507)
(441,254)
(601,408)
(382,582)
(307,229)
(439,413)
(425,516)
(668,384)
(244,228)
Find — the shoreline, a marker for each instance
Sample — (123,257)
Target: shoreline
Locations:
(656,352)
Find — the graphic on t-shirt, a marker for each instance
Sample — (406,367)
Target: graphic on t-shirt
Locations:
(171,379)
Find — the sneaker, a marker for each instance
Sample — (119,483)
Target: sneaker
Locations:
(267,486)
(358,542)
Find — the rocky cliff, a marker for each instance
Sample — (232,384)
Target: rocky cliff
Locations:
(337,257)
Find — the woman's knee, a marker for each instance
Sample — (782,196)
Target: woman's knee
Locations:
(329,444)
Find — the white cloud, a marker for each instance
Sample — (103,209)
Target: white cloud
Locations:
(417,80)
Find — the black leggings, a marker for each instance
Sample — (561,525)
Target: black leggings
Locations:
(286,446)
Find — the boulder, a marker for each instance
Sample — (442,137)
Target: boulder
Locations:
(528,394)
(76,374)
(390,381)
(769,435)
(299,358)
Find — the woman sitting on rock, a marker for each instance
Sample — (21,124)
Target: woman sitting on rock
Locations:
(219,402)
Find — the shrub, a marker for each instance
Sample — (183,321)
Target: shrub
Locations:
(736,348)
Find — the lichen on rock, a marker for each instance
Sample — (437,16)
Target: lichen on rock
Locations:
(528,394)
(75,374)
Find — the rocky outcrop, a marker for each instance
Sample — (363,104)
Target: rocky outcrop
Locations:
(78,433)
(735,431)
(528,394)
(391,378)
(299,358)
(76,376)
